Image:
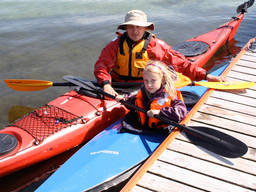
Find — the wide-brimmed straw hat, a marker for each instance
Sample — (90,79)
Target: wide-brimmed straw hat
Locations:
(138,18)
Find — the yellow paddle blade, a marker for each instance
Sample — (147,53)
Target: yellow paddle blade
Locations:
(27,84)
(182,81)
(226,85)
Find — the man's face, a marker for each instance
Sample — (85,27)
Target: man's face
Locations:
(135,33)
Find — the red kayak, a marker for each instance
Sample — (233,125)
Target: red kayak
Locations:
(75,118)
(201,48)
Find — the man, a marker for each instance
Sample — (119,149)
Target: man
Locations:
(124,58)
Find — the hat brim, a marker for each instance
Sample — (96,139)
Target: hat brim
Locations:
(149,25)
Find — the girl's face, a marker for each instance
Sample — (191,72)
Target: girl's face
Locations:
(135,32)
(152,81)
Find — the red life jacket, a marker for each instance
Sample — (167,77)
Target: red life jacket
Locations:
(156,104)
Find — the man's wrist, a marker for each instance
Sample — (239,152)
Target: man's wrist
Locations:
(206,74)
(106,82)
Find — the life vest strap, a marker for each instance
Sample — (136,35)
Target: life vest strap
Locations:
(147,36)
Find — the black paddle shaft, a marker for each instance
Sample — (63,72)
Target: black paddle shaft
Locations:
(114,84)
(236,147)
(63,84)
(230,146)
(186,129)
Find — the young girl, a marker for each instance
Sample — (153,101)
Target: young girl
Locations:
(158,96)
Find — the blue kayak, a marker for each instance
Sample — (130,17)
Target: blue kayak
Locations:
(107,157)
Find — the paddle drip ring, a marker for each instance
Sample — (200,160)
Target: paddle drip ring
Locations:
(191,48)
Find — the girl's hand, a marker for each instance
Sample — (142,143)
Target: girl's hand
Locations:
(152,112)
(120,97)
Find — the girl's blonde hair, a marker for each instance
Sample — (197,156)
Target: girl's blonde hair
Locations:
(169,76)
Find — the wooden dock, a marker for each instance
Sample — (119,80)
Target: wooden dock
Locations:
(178,165)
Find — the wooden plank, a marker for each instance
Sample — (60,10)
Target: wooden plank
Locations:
(238,98)
(140,189)
(244,70)
(245,63)
(249,92)
(192,178)
(249,53)
(249,65)
(240,164)
(218,121)
(249,57)
(210,113)
(233,104)
(230,105)
(242,76)
(210,169)
(161,184)
(246,93)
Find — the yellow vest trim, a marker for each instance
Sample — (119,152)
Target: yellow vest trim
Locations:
(132,63)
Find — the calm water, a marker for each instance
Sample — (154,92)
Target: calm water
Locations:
(47,39)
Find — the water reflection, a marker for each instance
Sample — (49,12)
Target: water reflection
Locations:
(223,55)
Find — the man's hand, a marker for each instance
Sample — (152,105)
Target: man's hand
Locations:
(109,89)
(212,78)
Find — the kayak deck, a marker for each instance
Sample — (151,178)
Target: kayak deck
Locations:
(178,165)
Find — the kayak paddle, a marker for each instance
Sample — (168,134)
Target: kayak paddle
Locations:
(36,85)
(213,140)
(225,85)
(31,84)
